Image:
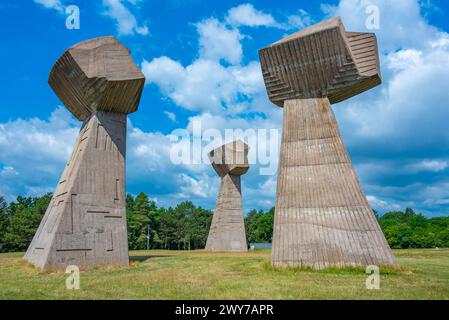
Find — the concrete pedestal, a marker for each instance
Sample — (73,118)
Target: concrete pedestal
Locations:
(227,232)
(322,216)
(85,223)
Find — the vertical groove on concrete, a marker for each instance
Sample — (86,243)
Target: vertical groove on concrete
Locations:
(322,216)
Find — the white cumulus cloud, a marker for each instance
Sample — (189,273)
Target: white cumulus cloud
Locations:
(217,41)
(51,4)
(247,15)
(126,22)
(204,85)
(170,115)
(401,23)
(33,152)
(429,165)
(300,20)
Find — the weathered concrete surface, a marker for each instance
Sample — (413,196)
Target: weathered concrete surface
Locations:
(227,231)
(322,217)
(102,77)
(321,61)
(85,223)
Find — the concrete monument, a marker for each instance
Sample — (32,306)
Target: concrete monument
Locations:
(85,223)
(227,231)
(322,217)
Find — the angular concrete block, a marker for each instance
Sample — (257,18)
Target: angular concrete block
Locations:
(227,231)
(321,61)
(97,75)
(322,217)
(85,223)
(231,158)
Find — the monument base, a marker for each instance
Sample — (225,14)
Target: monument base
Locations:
(85,223)
(227,231)
(322,217)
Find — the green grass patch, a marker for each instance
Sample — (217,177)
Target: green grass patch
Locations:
(423,274)
(336,270)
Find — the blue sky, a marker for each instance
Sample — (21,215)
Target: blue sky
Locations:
(201,64)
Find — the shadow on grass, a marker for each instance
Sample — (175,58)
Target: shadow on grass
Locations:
(143,258)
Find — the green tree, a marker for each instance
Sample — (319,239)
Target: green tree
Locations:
(25,217)
(251,225)
(140,218)
(265,226)
(170,222)
(186,226)
(198,224)
(411,230)
(259,226)
(4,221)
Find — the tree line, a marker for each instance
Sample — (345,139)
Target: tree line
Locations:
(409,229)
(186,226)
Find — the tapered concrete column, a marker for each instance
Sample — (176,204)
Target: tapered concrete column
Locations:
(322,217)
(85,223)
(227,231)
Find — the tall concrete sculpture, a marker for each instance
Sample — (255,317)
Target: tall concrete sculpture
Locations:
(322,216)
(85,223)
(227,231)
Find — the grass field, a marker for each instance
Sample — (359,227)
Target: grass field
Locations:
(424,274)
